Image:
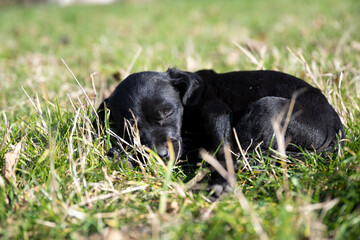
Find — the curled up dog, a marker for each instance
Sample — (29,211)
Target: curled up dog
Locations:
(200,109)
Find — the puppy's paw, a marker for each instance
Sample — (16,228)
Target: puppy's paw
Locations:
(114,154)
(221,189)
(218,187)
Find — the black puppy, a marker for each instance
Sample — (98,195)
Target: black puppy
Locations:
(199,110)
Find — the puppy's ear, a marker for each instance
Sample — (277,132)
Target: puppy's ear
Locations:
(189,85)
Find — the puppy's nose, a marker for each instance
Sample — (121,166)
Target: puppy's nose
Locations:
(163,152)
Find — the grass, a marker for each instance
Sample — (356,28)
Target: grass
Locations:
(65,187)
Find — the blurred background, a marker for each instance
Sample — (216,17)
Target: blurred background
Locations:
(120,37)
(61,2)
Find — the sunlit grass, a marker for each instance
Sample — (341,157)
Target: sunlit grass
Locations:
(66,187)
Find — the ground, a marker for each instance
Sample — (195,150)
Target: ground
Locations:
(57,181)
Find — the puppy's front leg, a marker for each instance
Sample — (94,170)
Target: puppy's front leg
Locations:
(216,129)
(114,154)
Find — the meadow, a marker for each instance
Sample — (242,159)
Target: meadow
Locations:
(58,63)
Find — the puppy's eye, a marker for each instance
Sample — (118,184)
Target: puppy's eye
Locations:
(165,113)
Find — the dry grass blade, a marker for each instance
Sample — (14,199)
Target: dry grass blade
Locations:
(46,223)
(164,193)
(281,130)
(72,165)
(228,174)
(253,216)
(208,211)
(229,166)
(215,163)
(112,234)
(324,205)
(132,131)
(94,88)
(157,158)
(82,89)
(112,195)
(247,53)
(198,177)
(11,159)
(243,154)
(155,222)
(259,64)
(230,177)
(6,137)
(38,110)
(136,56)
(280,136)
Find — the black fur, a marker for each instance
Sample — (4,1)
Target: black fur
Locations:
(199,110)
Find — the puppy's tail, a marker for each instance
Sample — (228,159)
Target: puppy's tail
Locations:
(336,141)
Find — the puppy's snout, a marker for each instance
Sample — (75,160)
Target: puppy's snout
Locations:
(163,152)
(163,149)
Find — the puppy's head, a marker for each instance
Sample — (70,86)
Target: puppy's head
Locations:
(156,102)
